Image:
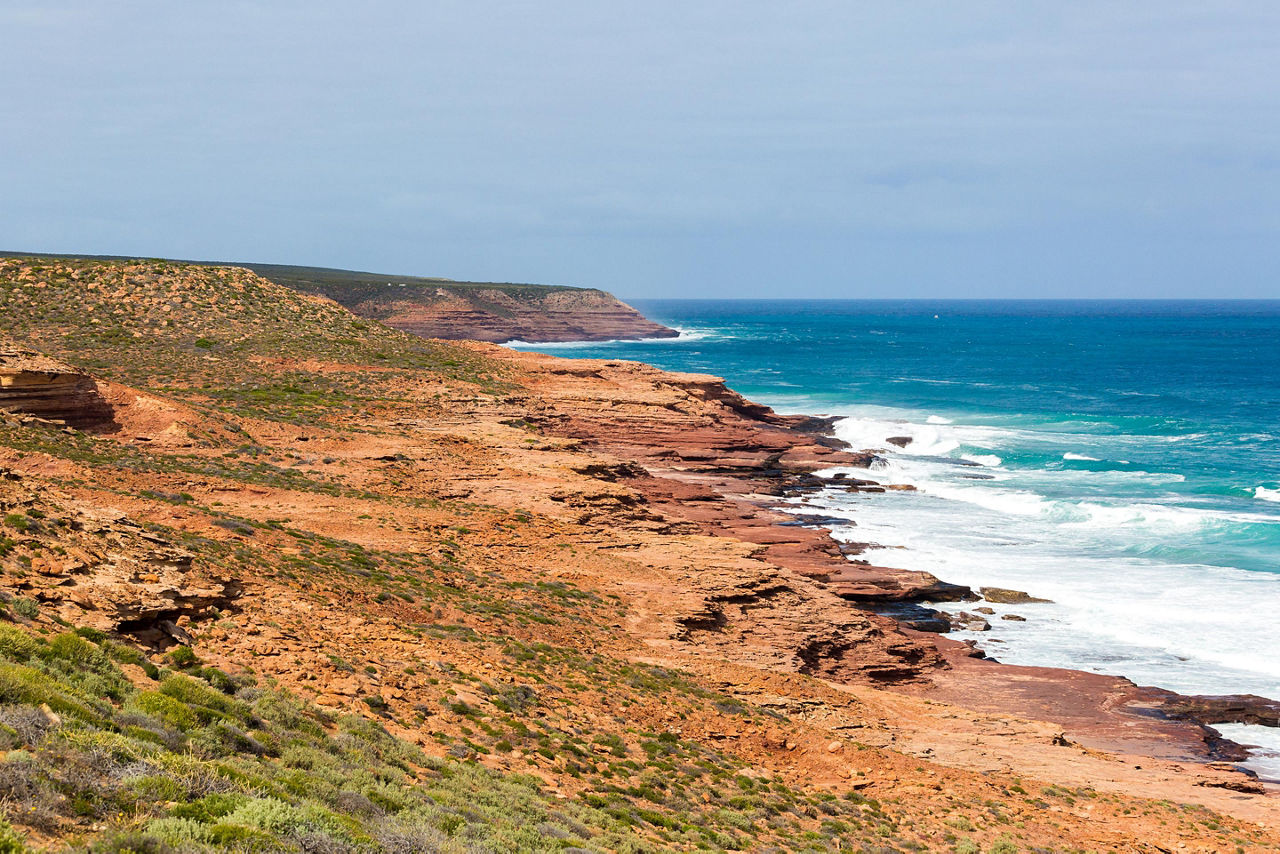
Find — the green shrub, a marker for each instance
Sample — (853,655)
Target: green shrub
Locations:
(269,814)
(21,684)
(211,807)
(1004,845)
(237,837)
(157,788)
(24,607)
(180,831)
(183,657)
(75,650)
(10,841)
(17,644)
(173,712)
(208,703)
(218,679)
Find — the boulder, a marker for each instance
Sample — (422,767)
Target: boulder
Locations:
(1005,596)
(964,621)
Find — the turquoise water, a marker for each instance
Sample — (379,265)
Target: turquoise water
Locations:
(1119,458)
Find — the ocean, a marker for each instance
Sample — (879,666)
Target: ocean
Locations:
(1121,458)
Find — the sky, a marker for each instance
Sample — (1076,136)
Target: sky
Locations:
(660,149)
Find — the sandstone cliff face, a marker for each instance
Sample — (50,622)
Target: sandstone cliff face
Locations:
(493,315)
(478,311)
(34,384)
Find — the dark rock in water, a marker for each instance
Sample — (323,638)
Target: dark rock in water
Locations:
(916,617)
(945,591)
(816,424)
(1229,709)
(900,441)
(1005,596)
(985,610)
(978,476)
(815,522)
(1014,618)
(964,621)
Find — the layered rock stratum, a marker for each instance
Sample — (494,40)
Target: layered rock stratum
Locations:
(36,385)
(340,588)
(478,311)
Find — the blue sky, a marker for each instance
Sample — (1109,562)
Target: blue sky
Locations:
(664,149)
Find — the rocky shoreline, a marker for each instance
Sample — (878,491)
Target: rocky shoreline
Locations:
(726,479)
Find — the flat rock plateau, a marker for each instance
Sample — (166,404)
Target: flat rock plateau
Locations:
(307,582)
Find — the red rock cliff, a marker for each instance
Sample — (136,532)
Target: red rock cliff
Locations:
(483,314)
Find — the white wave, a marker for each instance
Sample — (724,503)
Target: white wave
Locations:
(1264,748)
(1086,514)
(929,440)
(1068,533)
(691,333)
(1106,475)
(1183,438)
(687,334)
(1007,502)
(982,459)
(937,419)
(1194,628)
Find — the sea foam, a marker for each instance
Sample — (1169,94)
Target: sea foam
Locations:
(1262,493)
(1092,540)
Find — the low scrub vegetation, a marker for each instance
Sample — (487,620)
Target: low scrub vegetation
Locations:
(211,763)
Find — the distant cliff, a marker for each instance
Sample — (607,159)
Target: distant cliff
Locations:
(443,308)
(481,311)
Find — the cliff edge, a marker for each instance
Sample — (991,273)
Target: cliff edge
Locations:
(495,312)
(478,311)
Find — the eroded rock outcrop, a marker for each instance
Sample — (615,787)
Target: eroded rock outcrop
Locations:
(99,568)
(706,460)
(32,383)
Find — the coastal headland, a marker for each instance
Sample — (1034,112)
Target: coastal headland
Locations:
(274,571)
